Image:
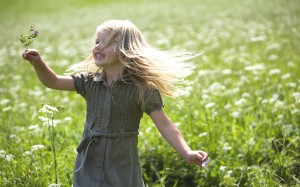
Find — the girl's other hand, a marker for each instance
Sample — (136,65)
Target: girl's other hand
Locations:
(32,56)
(196,157)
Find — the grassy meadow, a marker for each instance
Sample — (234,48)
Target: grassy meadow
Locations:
(242,103)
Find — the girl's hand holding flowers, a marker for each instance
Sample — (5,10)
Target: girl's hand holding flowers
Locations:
(31,55)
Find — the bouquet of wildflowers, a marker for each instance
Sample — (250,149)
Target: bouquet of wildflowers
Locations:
(28,39)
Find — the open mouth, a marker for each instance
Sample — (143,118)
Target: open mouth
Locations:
(99,55)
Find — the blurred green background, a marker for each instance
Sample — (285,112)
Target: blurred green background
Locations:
(242,105)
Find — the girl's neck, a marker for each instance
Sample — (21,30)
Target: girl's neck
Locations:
(112,75)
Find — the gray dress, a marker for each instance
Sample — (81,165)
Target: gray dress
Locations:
(108,155)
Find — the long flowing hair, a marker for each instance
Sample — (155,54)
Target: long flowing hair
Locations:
(146,65)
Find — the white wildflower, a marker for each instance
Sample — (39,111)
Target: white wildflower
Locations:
(227,106)
(6,109)
(291,84)
(37,147)
(9,157)
(223,168)
(4,102)
(203,134)
(240,102)
(285,76)
(274,46)
(291,64)
(2,153)
(48,109)
(12,136)
(279,104)
(246,95)
(227,72)
(258,38)
(273,57)
(33,127)
(274,72)
(256,67)
(236,114)
(210,105)
(216,86)
(27,153)
(205,96)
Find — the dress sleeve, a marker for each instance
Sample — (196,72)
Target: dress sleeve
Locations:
(81,83)
(152,100)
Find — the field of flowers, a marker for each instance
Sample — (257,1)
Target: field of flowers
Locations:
(242,103)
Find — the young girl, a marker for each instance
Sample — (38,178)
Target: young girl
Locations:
(122,78)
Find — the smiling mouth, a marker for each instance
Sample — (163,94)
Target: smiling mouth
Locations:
(99,55)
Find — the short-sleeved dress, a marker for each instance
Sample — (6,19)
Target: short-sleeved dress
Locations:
(107,154)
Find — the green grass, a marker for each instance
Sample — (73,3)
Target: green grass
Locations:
(243,106)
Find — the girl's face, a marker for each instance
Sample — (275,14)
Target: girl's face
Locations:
(105,56)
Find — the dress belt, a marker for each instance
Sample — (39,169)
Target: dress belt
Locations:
(85,143)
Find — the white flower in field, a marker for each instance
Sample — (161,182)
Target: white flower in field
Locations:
(241,102)
(274,72)
(291,84)
(33,127)
(246,95)
(9,157)
(186,91)
(296,96)
(223,168)
(236,114)
(256,67)
(37,147)
(210,105)
(48,109)
(296,111)
(6,109)
(216,86)
(226,147)
(12,136)
(279,104)
(27,153)
(273,57)
(68,119)
(291,64)
(274,98)
(286,76)
(203,134)
(205,96)
(227,106)
(2,153)
(227,72)
(274,46)
(4,101)
(258,38)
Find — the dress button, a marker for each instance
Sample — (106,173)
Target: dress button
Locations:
(99,163)
(100,150)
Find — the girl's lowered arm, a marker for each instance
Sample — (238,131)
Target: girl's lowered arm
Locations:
(174,137)
(46,75)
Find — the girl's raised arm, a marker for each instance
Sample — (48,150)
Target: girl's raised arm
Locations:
(174,137)
(45,74)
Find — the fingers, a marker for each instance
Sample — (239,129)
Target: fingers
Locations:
(29,54)
(204,159)
(204,155)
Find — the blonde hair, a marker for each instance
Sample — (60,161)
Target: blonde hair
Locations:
(146,65)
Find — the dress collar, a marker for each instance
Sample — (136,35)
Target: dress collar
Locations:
(100,77)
